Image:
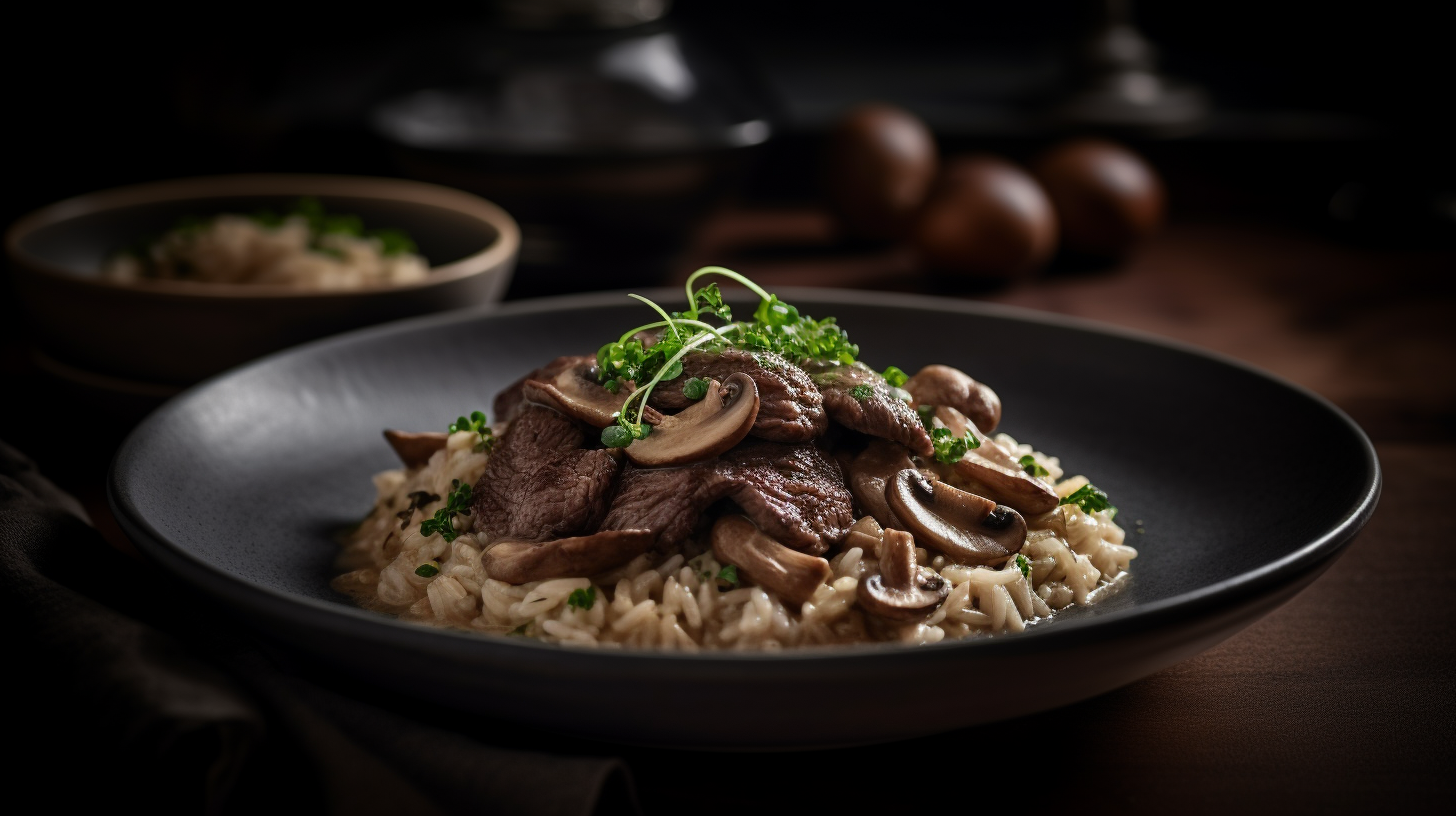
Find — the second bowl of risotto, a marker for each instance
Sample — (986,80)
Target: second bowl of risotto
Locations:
(174,281)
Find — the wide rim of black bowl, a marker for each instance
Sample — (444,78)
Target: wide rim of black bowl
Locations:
(1091,628)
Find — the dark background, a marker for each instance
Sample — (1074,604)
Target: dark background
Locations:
(1325,705)
(1308,96)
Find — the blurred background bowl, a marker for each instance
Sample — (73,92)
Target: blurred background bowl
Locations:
(169,333)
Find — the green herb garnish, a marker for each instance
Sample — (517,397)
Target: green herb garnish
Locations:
(476,422)
(1090,499)
(1023,565)
(776,327)
(1028,464)
(895,377)
(862,392)
(729,576)
(444,520)
(582,598)
(695,388)
(429,569)
(950,448)
(926,413)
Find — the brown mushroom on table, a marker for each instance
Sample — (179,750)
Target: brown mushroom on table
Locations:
(517,562)
(574,391)
(415,449)
(704,429)
(902,590)
(943,385)
(967,528)
(792,574)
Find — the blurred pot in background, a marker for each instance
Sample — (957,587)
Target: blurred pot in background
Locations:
(605,130)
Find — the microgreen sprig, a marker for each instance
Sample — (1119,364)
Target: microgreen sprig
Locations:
(776,327)
(476,422)
(444,520)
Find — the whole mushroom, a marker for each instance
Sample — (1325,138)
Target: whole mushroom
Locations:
(943,385)
(902,590)
(880,163)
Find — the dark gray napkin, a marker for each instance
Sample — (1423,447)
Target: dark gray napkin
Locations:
(125,688)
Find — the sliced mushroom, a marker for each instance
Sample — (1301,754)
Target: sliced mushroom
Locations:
(958,423)
(901,590)
(574,391)
(415,449)
(518,562)
(967,528)
(791,574)
(1012,487)
(943,385)
(992,471)
(704,429)
(870,470)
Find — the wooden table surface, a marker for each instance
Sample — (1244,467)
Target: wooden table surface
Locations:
(1343,700)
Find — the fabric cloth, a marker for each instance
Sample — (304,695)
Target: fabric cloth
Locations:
(125,688)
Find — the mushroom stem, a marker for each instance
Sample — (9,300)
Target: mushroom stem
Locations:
(793,575)
(415,449)
(897,559)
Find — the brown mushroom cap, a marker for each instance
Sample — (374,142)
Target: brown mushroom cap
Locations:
(943,385)
(968,528)
(869,472)
(901,590)
(518,562)
(791,574)
(415,449)
(574,391)
(704,429)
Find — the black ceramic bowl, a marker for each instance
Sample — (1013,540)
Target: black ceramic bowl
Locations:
(1248,487)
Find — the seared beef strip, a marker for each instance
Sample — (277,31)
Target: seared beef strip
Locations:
(509,401)
(794,493)
(540,484)
(789,406)
(878,411)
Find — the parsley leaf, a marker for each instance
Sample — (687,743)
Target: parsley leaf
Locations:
(862,392)
(728,575)
(1028,464)
(950,448)
(1090,499)
(582,598)
(1023,565)
(429,569)
(695,388)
